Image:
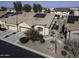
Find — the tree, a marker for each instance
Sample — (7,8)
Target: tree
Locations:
(64,53)
(35,8)
(18,6)
(45,10)
(39,7)
(3,8)
(48,10)
(71,12)
(27,8)
(34,35)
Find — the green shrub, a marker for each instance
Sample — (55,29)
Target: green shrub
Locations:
(34,35)
(52,41)
(56,27)
(64,53)
(42,41)
(66,47)
(24,40)
(3,29)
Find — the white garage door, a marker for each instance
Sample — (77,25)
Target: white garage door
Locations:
(23,29)
(14,28)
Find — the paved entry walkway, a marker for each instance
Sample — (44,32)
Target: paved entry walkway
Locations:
(14,37)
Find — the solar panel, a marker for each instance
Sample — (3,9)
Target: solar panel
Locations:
(40,15)
(72,19)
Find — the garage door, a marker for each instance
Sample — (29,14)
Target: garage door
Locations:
(14,28)
(23,29)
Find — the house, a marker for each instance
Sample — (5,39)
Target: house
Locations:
(72,23)
(62,11)
(11,10)
(22,22)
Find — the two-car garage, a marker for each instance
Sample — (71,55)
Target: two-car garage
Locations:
(21,27)
(11,27)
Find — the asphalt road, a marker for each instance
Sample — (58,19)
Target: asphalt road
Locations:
(8,50)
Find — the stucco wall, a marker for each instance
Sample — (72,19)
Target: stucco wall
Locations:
(76,13)
(13,28)
(23,27)
(45,30)
(4,25)
(62,13)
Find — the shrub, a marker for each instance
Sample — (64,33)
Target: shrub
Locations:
(66,47)
(42,41)
(56,27)
(52,41)
(3,29)
(34,35)
(24,40)
(64,53)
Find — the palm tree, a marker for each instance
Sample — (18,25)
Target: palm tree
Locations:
(18,6)
(39,7)
(35,8)
(27,8)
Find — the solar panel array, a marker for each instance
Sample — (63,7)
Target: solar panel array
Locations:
(40,15)
(72,19)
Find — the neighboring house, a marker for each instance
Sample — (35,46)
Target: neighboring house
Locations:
(72,22)
(62,11)
(76,13)
(2,13)
(11,10)
(22,22)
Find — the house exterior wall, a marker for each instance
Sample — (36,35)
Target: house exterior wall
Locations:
(62,13)
(23,27)
(3,25)
(76,13)
(14,28)
(45,30)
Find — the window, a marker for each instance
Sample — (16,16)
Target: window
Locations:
(40,29)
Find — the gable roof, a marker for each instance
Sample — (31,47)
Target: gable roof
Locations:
(29,19)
